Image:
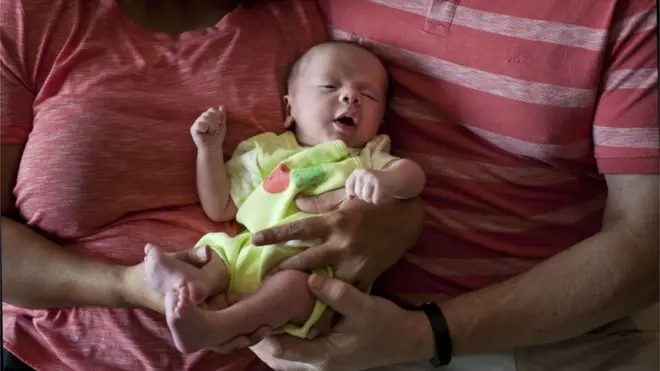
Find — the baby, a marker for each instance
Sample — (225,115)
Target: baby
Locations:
(336,98)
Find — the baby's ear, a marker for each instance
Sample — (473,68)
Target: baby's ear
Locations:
(287,111)
(287,104)
(288,122)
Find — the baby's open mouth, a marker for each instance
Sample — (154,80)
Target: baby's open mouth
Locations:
(346,120)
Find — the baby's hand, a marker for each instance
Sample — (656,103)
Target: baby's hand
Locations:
(209,129)
(369,186)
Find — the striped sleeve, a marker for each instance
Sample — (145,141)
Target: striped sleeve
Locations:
(626,120)
(16,96)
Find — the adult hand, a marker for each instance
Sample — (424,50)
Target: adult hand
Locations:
(351,235)
(134,290)
(351,238)
(136,293)
(369,335)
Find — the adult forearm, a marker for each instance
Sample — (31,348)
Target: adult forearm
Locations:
(603,278)
(213,186)
(37,273)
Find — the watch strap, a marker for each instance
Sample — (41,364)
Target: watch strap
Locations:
(443,345)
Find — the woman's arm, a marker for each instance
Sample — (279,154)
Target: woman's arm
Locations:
(37,273)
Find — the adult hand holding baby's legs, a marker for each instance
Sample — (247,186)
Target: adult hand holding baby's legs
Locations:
(369,334)
(352,238)
(134,289)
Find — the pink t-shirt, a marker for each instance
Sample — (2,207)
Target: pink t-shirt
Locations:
(513,109)
(104,108)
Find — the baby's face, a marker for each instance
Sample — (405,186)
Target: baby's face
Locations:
(339,92)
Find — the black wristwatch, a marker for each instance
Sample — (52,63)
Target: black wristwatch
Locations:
(443,347)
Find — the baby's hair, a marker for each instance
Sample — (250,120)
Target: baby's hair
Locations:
(292,71)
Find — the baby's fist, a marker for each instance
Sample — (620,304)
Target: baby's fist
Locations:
(210,128)
(369,186)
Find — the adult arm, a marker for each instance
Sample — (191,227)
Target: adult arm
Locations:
(37,273)
(603,278)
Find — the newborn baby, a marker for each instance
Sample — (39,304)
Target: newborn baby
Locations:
(336,98)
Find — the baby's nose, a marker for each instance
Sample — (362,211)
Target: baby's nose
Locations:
(350,97)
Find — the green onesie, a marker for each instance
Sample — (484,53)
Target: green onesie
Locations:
(267,172)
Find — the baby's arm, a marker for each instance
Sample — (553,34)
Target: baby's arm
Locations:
(400,179)
(405,178)
(208,132)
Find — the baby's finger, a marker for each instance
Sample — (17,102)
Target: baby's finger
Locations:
(213,127)
(201,126)
(357,188)
(222,113)
(350,185)
(367,191)
(377,195)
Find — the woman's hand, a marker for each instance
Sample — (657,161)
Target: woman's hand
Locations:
(369,335)
(352,236)
(134,290)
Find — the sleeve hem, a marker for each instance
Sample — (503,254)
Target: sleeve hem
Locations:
(639,165)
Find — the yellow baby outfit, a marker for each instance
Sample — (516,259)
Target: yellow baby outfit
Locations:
(267,172)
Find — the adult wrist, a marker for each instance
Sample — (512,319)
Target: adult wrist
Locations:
(442,341)
(120,290)
(423,346)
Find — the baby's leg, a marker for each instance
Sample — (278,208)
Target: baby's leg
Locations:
(284,297)
(166,274)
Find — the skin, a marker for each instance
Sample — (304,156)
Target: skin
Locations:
(331,80)
(38,273)
(608,276)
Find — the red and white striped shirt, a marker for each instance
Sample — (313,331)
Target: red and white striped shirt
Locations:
(514,109)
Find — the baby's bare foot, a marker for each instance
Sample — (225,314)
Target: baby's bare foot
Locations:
(192,327)
(182,300)
(165,274)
